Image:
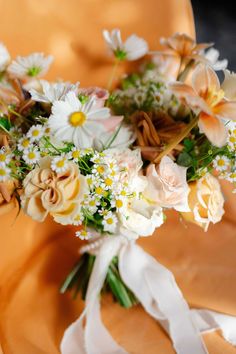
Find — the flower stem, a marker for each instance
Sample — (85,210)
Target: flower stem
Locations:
(113,74)
(177,140)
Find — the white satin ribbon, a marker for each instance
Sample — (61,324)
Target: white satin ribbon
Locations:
(156,289)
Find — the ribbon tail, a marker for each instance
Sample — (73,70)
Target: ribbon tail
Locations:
(94,337)
(209,321)
(159,294)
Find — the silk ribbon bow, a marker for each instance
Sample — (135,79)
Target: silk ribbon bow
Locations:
(155,287)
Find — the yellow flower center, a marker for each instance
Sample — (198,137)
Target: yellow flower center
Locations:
(108,181)
(2,157)
(232,139)
(31,155)
(110,221)
(100,169)
(77,119)
(25,143)
(35,132)
(221,162)
(92,202)
(75,154)
(119,203)
(60,163)
(213,97)
(233,175)
(2,172)
(99,190)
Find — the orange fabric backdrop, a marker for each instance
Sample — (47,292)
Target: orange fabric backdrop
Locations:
(35,257)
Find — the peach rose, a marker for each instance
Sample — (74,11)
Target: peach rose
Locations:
(167,185)
(7,197)
(206,202)
(58,194)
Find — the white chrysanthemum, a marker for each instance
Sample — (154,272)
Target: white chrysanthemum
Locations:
(109,222)
(24,144)
(31,156)
(83,234)
(4,57)
(75,122)
(4,173)
(221,163)
(51,92)
(36,132)
(212,55)
(59,164)
(30,67)
(5,157)
(132,49)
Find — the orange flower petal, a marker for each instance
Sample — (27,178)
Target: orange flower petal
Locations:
(213,128)
(205,78)
(225,109)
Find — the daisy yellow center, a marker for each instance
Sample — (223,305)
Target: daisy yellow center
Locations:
(92,202)
(75,154)
(84,233)
(60,163)
(221,162)
(31,155)
(108,181)
(77,119)
(109,221)
(2,172)
(2,157)
(119,203)
(100,169)
(99,190)
(232,139)
(25,143)
(35,132)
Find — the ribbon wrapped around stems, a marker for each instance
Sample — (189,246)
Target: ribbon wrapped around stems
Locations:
(155,287)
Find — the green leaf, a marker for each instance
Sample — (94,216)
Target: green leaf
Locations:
(184,159)
(5,124)
(188,145)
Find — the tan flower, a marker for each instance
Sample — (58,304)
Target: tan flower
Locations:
(58,194)
(7,197)
(167,185)
(207,96)
(205,201)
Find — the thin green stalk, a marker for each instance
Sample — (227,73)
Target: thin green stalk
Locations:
(113,74)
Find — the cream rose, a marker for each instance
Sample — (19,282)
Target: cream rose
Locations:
(167,185)
(58,194)
(206,202)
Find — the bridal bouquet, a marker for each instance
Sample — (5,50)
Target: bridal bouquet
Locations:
(111,162)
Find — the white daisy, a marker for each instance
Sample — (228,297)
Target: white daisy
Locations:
(109,222)
(75,122)
(91,203)
(31,156)
(30,67)
(221,163)
(119,202)
(4,173)
(59,164)
(4,57)
(5,157)
(52,92)
(24,143)
(36,132)
(231,177)
(74,154)
(132,49)
(78,219)
(83,234)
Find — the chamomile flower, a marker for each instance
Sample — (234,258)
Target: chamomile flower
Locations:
(52,92)
(4,57)
(83,234)
(221,163)
(231,140)
(30,67)
(132,49)
(4,173)
(91,203)
(24,143)
(118,202)
(31,156)
(109,222)
(5,157)
(231,177)
(74,154)
(59,164)
(36,132)
(78,219)
(76,122)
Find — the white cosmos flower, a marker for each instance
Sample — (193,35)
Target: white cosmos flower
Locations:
(132,49)
(76,122)
(30,67)
(212,55)
(51,92)
(4,57)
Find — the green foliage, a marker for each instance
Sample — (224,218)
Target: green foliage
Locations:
(5,124)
